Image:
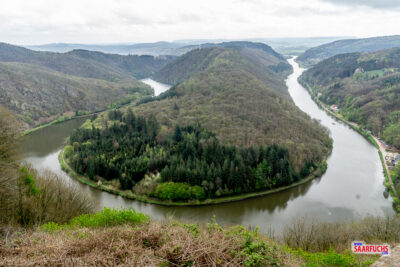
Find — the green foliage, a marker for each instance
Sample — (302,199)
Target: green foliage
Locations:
(105,218)
(68,150)
(109,217)
(332,259)
(50,227)
(194,229)
(29,181)
(178,191)
(262,176)
(392,134)
(255,251)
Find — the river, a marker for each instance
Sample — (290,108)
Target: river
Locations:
(158,87)
(352,186)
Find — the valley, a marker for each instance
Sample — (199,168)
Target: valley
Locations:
(355,173)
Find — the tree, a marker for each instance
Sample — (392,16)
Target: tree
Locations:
(9,151)
(178,134)
(262,176)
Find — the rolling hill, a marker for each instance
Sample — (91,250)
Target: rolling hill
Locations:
(314,55)
(180,47)
(237,90)
(41,86)
(366,88)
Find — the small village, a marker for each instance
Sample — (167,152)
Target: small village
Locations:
(392,157)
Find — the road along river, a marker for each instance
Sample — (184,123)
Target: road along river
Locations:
(352,186)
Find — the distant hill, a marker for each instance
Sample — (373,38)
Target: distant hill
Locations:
(155,49)
(366,88)
(202,56)
(40,86)
(314,55)
(180,47)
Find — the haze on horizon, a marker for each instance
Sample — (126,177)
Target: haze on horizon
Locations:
(102,21)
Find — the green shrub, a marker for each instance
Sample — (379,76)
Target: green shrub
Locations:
(68,150)
(332,259)
(110,217)
(50,226)
(29,181)
(178,191)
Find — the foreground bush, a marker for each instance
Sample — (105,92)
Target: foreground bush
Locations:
(149,244)
(314,236)
(44,196)
(110,217)
(104,218)
(29,197)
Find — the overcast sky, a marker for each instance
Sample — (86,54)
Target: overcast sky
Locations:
(116,21)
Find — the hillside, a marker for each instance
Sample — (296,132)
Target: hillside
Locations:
(227,127)
(314,55)
(40,86)
(365,87)
(199,59)
(236,93)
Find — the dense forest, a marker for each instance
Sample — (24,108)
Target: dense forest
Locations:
(366,88)
(190,161)
(38,87)
(316,54)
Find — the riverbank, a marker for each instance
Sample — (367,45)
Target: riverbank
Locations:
(372,139)
(130,195)
(59,120)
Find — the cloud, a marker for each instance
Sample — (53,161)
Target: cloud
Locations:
(380,4)
(106,21)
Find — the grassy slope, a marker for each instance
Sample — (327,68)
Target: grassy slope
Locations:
(371,97)
(316,54)
(239,98)
(40,86)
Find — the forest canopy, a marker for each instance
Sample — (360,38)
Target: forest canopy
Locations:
(190,161)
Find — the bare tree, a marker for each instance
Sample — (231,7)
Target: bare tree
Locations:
(9,151)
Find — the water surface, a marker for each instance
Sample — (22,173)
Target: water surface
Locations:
(158,87)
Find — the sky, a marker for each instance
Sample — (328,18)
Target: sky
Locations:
(28,22)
